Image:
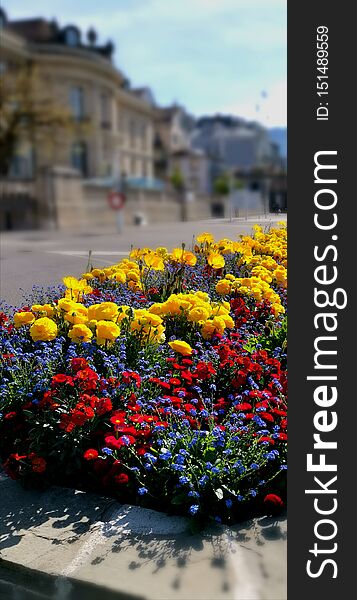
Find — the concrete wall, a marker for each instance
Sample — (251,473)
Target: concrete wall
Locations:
(147,206)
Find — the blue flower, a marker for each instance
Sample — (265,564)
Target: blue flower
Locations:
(203,480)
(107,450)
(142,491)
(183,479)
(229,503)
(194,508)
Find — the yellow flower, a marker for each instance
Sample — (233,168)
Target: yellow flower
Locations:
(107,331)
(124,313)
(23,318)
(156,308)
(43,329)
(80,333)
(202,295)
(147,326)
(154,261)
(223,286)
(162,251)
(78,314)
(46,310)
(216,261)
(87,276)
(99,273)
(213,326)
(198,313)
(187,258)
(66,304)
(106,311)
(70,282)
(181,347)
(205,237)
(119,276)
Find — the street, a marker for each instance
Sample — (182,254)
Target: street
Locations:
(43,257)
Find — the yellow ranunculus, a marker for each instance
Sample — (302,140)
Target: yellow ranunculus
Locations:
(156,308)
(23,318)
(107,331)
(78,314)
(154,261)
(223,286)
(43,329)
(80,333)
(205,238)
(66,304)
(46,310)
(120,276)
(198,313)
(106,311)
(216,261)
(70,282)
(183,256)
(181,347)
(99,273)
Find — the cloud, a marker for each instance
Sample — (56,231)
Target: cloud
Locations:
(270,107)
(205,54)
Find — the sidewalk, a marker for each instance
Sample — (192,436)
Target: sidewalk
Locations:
(65,544)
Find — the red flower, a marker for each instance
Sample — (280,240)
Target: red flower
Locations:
(104,405)
(10,415)
(205,370)
(265,438)
(273,502)
(38,464)
(266,416)
(17,457)
(112,442)
(243,406)
(90,454)
(117,419)
(78,363)
(121,479)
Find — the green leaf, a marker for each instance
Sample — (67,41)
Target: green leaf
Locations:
(179,499)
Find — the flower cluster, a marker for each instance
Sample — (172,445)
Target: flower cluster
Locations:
(160,380)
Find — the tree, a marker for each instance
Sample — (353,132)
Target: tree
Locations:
(27,114)
(177,180)
(221,185)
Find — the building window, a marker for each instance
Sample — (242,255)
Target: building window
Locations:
(3,19)
(22,164)
(132,132)
(71,36)
(105,111)
(143,135)
(76,100)
(132,166)
(79,157)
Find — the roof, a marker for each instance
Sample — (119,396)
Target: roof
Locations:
(42,31)
(35,30)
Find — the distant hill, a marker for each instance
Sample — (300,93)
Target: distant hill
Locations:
(278,135)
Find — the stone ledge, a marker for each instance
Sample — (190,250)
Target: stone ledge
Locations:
(65,543)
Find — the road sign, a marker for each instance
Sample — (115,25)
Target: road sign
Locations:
(116,200)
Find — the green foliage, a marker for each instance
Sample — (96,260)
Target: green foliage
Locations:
(222,185)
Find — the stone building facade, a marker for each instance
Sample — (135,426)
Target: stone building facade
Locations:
(112,126)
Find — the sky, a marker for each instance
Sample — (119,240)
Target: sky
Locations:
(211,56)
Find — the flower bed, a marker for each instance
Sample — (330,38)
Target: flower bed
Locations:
(160,380)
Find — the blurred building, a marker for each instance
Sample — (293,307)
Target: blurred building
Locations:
(234,143)
(115,123)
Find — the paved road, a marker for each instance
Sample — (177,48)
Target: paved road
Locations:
(44,257)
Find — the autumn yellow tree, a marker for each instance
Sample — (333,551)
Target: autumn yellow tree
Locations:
(28,114)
